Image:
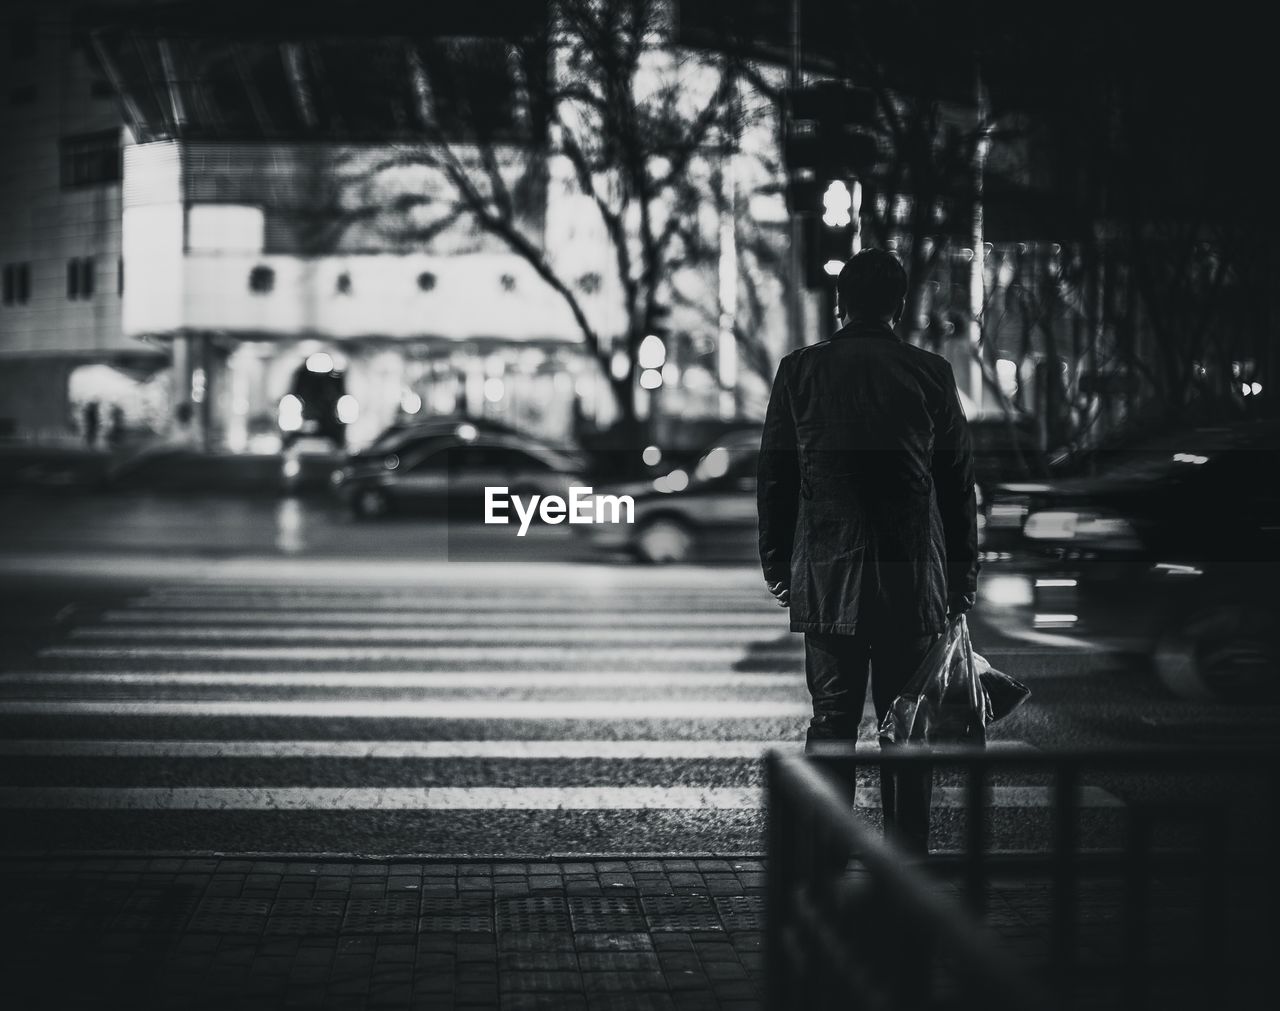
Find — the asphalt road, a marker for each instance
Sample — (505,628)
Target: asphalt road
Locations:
(224,696)
(227,525)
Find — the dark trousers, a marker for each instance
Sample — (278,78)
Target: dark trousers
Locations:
(837,669)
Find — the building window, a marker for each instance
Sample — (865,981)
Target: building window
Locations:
(262,280)
(120,276)
(90,159)
(80,277)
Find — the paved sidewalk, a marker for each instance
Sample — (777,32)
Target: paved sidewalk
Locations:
(231,933)
(280,933)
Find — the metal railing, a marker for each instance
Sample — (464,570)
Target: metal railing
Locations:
(838,938)
(853,922)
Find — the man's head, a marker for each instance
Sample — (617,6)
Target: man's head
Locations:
(872,286)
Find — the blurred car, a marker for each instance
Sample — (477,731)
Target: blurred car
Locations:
(451,469)
(1006,449)
(1170,551)
(708,510)
(404,435)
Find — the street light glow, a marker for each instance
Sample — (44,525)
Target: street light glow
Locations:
(290,413)
(650,379)
(652,352)
(833,267)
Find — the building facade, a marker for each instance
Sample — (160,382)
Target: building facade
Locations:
(62,344)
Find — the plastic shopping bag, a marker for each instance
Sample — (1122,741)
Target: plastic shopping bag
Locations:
(1003,694)
(953,695)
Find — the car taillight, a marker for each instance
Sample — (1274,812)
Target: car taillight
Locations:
(1006,514)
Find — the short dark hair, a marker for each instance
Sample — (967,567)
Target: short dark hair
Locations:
(871,284)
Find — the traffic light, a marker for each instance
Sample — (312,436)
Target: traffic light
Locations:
(828,145)
(829,130)
(828,235)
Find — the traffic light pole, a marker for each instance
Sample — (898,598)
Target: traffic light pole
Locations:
(795,304)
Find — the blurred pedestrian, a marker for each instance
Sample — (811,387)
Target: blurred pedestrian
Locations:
(91,417)
(115,434)
(868,518)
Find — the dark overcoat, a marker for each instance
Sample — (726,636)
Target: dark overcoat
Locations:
(865,484)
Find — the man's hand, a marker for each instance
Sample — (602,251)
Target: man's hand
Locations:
(782,593)
(959,603)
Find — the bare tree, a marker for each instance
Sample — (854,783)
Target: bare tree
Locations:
(640,126)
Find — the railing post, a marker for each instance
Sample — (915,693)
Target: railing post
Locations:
(1066,788)
(1137,845)
(780,862)
(975,846)
(1213,913)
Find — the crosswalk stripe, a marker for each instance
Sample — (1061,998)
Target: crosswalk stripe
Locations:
(504,619)
(752,589)
(463,636)
(444,594)
(612,656)
(581,748)
(477,798)
(379,574)
(463,680)
(436,709)
(541,749)
(459,606)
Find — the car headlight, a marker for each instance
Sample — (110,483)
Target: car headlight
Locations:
(676,481)
(1079,525)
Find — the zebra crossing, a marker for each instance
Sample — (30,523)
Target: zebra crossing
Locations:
(507,717)
(465,716)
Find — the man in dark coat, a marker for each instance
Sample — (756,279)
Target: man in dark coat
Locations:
(868,515)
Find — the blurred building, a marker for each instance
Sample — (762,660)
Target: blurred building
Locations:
(196,215)
(256,256)
(62,345)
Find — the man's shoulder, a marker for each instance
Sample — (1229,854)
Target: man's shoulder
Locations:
(929,360)
(923,357)
(793,358)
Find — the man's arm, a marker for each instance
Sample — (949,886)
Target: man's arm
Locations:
(957,499)
(778,488)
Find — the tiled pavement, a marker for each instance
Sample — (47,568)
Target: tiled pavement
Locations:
(233,933)
(239,933)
